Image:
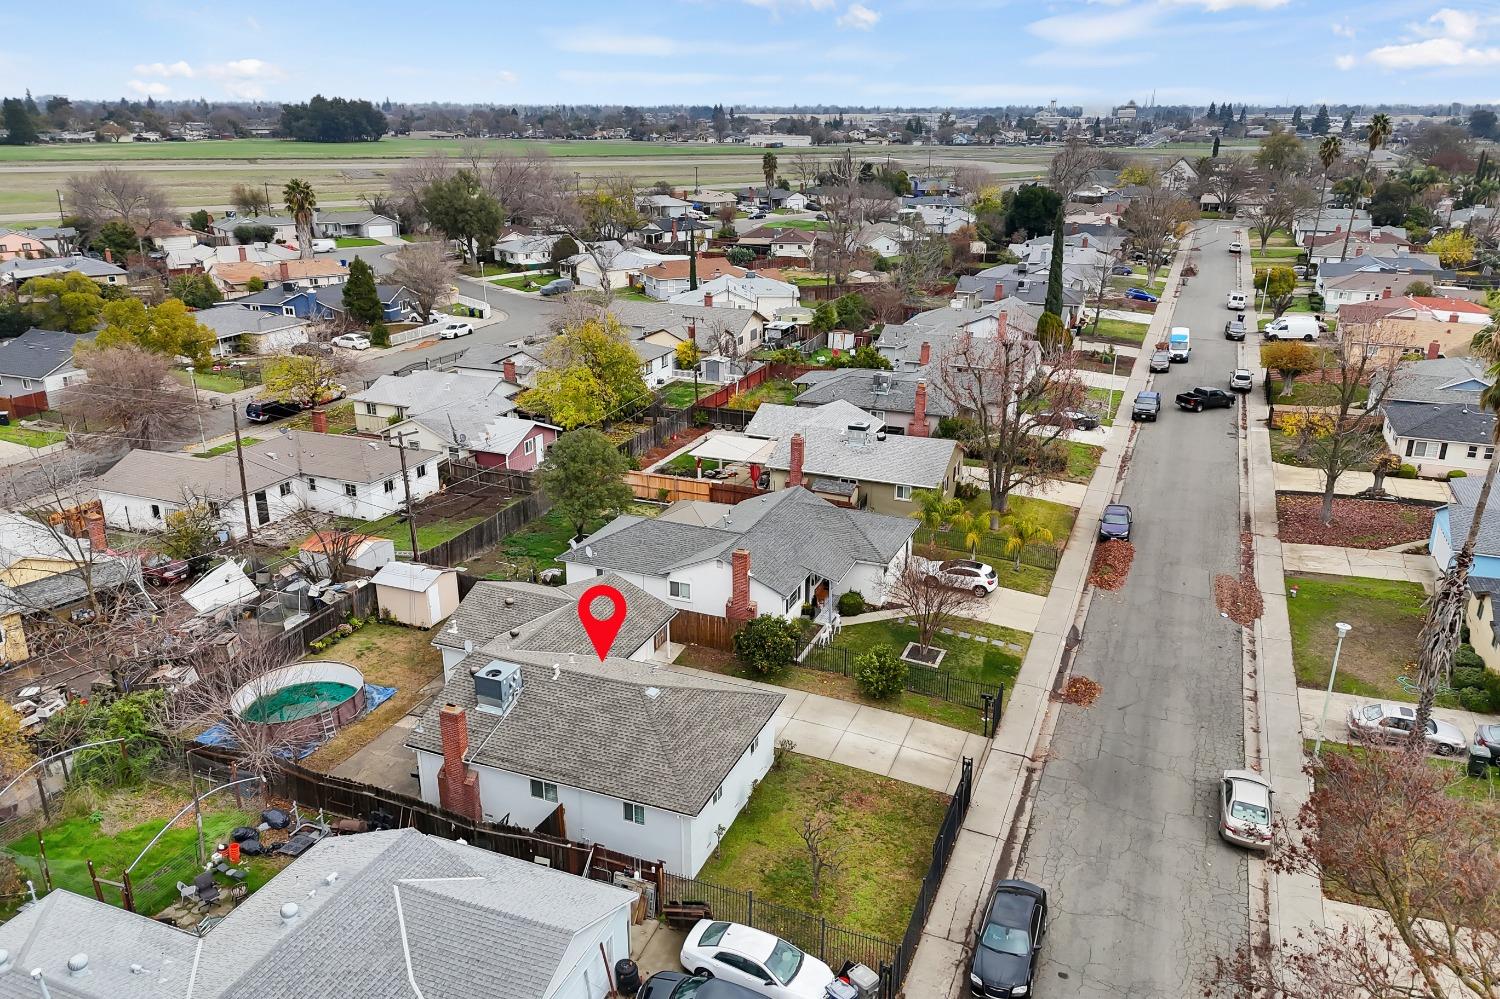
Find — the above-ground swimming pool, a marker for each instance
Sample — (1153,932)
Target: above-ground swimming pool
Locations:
(304,701)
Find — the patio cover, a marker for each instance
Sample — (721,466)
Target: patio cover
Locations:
(733,447)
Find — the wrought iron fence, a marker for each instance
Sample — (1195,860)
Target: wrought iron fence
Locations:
(938,683)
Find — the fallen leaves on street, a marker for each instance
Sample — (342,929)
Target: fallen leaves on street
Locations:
(1238,597)
(1111,564)
(1080,690)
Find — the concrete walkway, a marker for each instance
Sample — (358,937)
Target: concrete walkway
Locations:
(1104,380)
(1333,561)
(1336,728)
(1291,478)
(1053,490)
(857,735)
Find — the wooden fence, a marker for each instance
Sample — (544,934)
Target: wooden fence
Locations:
(666,488)
(704,629)
(488,532)
(19,406)
(291,645)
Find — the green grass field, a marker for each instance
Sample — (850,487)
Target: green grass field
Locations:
(345,242)
(1119,329)
(27,437)
(1055,517)
(809,225)
(387,148)
(1385,616)
(965,657)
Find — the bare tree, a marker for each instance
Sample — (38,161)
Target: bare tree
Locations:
(530,188)
(427,272)
(805,169)
(250,199)
(112,194)
(1072,166)
(1009,386)
(131,399)
(1380,827)
(1280,207)
(928,602)
(823,855)
(1228,178)
(329,548)
(1151,218)
(972,179)
(413,178)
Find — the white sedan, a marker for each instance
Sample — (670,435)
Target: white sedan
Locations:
(766,965)
(1245,809)
(353,341)
(452,331)
(1235,247)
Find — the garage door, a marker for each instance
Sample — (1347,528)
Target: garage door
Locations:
(380,230)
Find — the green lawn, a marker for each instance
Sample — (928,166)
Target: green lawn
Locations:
(27,437)
(977,661)
(771,390)
(215,381)
(633,295)
(1277,254)
(344,242)
(680,395)
(73,842)
(1385,617)
(1083,459)
(1105,403)
(810,225)
(428,535)
(1460,784)
(884,830)
(1314,394)
(530,281)
(1056,517)
(225,448)
(1118,329)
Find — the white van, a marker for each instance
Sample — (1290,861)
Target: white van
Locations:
(324,245)
(1294,327)
(1236,302)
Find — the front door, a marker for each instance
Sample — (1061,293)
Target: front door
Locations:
(262,508)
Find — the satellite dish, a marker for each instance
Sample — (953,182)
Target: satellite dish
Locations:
(463,438)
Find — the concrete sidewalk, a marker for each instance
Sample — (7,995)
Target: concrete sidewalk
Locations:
(1333,561)
(1291,478)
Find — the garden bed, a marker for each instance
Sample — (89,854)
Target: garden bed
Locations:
(1357,523)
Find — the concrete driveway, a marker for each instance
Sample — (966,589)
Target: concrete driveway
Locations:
(1123,822)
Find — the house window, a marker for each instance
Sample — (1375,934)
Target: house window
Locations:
(312,484)
(1426,449)
(155,512)
(372,409)
(635,813)
(903,493)
(718,793)
(794,599)
(529,446)
(879,414)
(400,412)
(754,745)
(350,490)
(544,790)
(421,471)
(679,590)
(285,489)
(390,485)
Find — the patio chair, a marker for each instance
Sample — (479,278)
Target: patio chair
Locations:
(186,893)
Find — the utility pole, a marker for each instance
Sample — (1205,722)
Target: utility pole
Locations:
(411,516)
(61,218)
(267,185)
(239,454)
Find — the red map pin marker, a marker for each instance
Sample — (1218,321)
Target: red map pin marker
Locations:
(602,631)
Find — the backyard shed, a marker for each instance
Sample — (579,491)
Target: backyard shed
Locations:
(418,595)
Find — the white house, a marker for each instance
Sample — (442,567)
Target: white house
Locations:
(622,265)
(758,294)
(790,242)
(239,330)
(331,473)
(393,399)
(1433,419)
(796,202)
(885,239)
(21,270)
(772,553)
(673,277)
(531,718)
(519,249)
(662,206)
(658,362)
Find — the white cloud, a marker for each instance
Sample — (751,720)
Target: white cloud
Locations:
(779,5)
(1343,30)
(1345,62)
(858,17)
(178,68)
(611,43)
(153,88)
(1086,29)
(1448,39)
(243,78)
(1217,5)
(507,76)
(1450,23)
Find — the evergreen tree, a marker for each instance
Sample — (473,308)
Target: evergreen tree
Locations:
(1243,109)
(1297,117)
(1348,127)
(1213,109)
(1215,153)
(1320,121)
(1055,268)
(31,107)
(361,300)
(20,125)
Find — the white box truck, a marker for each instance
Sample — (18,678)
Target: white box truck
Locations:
(1179,344)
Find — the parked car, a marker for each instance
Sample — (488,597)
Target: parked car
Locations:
(1008,944)
(1236,301)
(1384,721)
(763,963)
(1123,270)
(676,985)
(353,341)
(560,286)
(961,574)
(164,570)
(1235,247)
(1488,736)
(266,410)
(452,331)
(1161,361)
(1196,400)
(1295,327)
(1245,809)
(1241,380)
(1147,406)
(822,216)
(1236,328)
(1141,295)
(1074,419)
(1115,522)
(1300,270)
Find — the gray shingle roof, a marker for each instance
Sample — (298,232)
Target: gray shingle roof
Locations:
(420,391)
(651,547)
(1442,380)
(773,420)
(858,386)
(1455,422)
(617,727)
(1461,515)
(38,353)
(233,320)
(911,461)
(21,269)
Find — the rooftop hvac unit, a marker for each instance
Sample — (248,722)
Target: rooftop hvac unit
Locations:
(497,686)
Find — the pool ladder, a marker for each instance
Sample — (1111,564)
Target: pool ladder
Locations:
(329,728)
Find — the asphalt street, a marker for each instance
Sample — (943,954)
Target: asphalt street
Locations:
(1123,827)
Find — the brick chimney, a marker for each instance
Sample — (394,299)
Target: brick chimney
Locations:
(918,425)
(693,330)
(794,474)
(95,524)
(109,256)
(286,271)
(1002,323)
(925,357)
(320,421)
(509,366)
(708,300)
(243,258)
(740,606)
(1433,350)
(1359,251)
(458,786)
(999,290)
(1386,292)
(1085,243)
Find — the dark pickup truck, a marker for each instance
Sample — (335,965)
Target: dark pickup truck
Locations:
(1203,397)
(1147,406)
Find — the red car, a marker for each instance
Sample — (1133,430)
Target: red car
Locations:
(163,570)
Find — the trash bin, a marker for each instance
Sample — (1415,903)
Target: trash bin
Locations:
(627,977)
(1479,760)
(4,419)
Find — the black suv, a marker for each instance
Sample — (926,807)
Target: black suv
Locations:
(266,410)
(1147,406)
(1235,328)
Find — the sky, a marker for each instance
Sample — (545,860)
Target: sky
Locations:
(940,53)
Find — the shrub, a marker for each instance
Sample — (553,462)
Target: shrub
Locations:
(880,673)
(966,490)
(379,335)
(955,428)
(767,644)
(1407,472)
(851,603)
(1458,473)
(1315,301)
(1464,657)
(1467,677)
(1475,700)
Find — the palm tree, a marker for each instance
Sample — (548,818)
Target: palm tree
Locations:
(936,509)
(1380,130)
(302,202)
(972,528)
(1445,609)
(1025,530)
(768,170)
(1329,152)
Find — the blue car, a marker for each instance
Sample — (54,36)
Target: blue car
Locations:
(1141,295)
